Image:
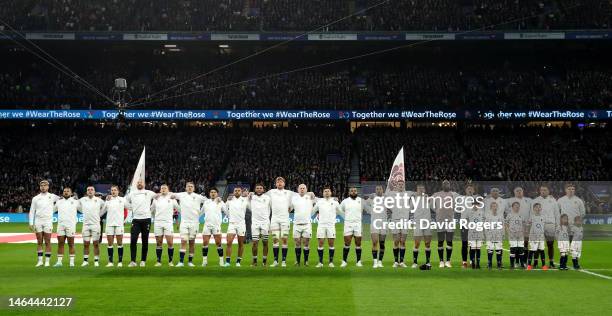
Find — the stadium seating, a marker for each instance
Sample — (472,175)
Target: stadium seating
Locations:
(76,154)
(304,15)
(573,84)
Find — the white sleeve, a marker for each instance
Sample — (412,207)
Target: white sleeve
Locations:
(104,209)
(32,211)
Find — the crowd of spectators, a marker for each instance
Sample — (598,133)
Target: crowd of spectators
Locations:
(488,154)
(64,156)
(76,154)
(317,157)
(304,15)
(577,84)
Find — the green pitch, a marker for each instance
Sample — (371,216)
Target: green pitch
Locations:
(306,290)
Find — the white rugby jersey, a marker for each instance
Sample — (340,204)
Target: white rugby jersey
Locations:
(280,203)
(91,209)
(190,206)
(536,228)
(66,209)
(492,233)
(550,209)
(115,208)
(473,203)
(41,210)
(422,210)
(400,212)
(163,208)
(303,206)
(444,199)
(515,224)
(213,212)
(140,203)
(524,209)
(236,210)
(573,207)
(328,209)
(351,210)
(370,205)
(260,208)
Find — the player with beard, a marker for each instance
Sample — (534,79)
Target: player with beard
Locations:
(444,216)
(236,210)
(352,209)
(66,209)
(140,209)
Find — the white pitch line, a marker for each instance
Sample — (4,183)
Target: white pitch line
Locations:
(596,274)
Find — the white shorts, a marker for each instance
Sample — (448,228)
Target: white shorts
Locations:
(422,232)
(163,229)
(209,230)
(576,248)
(495,245)
(517,243)
(189,231)
(91,232)
(302,230)
(326,231)
(46,227)
(475,243)
(260,230)
(379,229)
(279,228)
(237,229)
(404,230)
(536,245)
(115,230)
(564,246)
(352,229)
(64,230)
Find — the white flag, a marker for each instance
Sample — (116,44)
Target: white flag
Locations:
(397,177)
(139,174)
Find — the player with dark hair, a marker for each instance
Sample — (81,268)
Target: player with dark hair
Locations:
(66,209)
(41,221)
(259,204)
(328,208)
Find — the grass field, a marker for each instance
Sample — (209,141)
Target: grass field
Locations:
(306,290)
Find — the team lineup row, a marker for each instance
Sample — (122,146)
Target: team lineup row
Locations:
(530,224)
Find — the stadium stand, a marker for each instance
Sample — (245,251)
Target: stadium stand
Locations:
(74,154)
(534,82)
(304,15)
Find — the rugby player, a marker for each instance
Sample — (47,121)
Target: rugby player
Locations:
(66,209)
(41,221)
(114,208)
(302,204)
(328,208)
(91,207)
(352,209)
